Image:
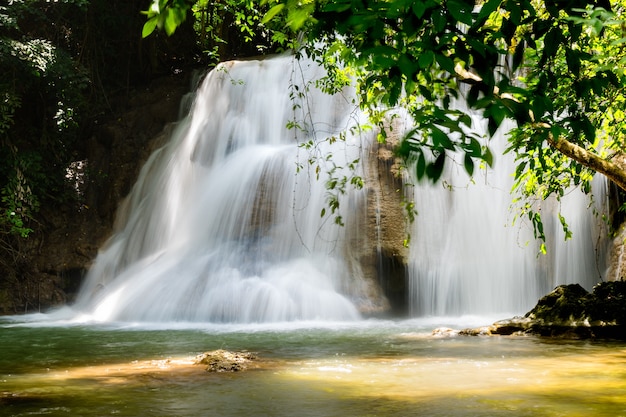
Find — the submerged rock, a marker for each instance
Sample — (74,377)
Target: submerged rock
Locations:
(224,361)
(571,311)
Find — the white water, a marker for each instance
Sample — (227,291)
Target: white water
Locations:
(221,227)
(468,256)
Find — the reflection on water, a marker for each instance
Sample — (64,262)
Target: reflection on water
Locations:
(361,369)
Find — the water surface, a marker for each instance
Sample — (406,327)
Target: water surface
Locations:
(369,368)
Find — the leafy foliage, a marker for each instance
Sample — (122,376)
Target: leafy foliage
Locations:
(41,102)
(555,69)
(236,25)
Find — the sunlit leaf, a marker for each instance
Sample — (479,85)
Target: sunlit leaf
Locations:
(273,12)
(149,26)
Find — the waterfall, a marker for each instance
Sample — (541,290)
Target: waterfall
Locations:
(233,219)
(468,256)
(225,221)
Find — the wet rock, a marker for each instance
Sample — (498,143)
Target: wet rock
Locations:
(224,361)
(513,326)
(445,332)
(565,305)
(570,311)
(478,331)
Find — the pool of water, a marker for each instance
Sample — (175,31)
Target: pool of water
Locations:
(368,368)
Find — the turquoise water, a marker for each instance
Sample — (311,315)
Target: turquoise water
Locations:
(368,368)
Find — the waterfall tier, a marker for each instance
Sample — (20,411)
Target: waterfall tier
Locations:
(225,222)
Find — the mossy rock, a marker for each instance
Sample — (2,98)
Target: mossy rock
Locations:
(564,305)
(570,311)
(608,303)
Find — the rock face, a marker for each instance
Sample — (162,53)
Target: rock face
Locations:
(387,222)
(570,311)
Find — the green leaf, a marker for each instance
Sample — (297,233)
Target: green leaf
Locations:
(572,58)
(473,148)
(466,119)
(540,106)
(472,95)
(420,166)
(149,26)
(468,163)
(486,10)
(426,59)
(407,66)
(588,129)
(552,41)
(441,139)
(439,20)
(426,92)
(497,114)
(518,55)
(519,170)
(170,22)
(435,169)
(419,7)
(274,11)
(488,157)
(460,10)
(445,63)
(394,90)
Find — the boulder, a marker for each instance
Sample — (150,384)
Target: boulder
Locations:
(571,311)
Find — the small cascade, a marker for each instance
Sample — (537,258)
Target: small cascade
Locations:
(469,257)
(224,223)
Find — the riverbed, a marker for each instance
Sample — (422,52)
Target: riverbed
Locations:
(364,368)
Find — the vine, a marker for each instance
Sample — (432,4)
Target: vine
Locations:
(320,164)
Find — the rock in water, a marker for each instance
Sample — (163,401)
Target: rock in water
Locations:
(564,306)
(224,361)
(570,311)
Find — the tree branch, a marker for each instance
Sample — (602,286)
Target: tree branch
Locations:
(611,170)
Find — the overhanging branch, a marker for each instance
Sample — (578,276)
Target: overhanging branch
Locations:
(579,154)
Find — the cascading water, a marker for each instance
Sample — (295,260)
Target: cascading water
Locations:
(224,223)
(467,257)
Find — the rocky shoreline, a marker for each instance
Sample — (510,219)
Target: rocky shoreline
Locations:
(569,311)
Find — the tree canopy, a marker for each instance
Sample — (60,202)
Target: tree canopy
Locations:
(553,68)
